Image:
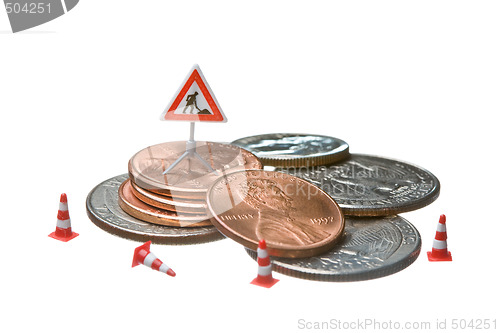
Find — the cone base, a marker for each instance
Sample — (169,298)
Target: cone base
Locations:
(64,239)
(267,284)
(432,257)
(136,260)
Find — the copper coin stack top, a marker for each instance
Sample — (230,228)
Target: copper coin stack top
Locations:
(178,197)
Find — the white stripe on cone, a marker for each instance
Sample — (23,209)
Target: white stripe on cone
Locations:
(441,227)
(63,224)
(439,244)
(163,268)
(148,261)
(63,206)
(261,253)
(265,270)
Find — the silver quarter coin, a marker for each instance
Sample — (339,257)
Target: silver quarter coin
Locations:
(365,185)
(290,149)
(372,247)
(104,211)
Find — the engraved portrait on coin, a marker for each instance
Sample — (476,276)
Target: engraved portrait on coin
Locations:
(297,219)
(277,223)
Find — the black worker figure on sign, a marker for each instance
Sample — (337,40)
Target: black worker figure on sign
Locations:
(191,103)
(193,106)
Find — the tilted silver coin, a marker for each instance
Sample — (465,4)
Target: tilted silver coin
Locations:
(104,211)
(372,247)
(365,185)
(290,149)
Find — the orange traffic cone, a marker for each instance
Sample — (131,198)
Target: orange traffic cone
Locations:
(439,246)
(63,227)
(143,256)
(265,272)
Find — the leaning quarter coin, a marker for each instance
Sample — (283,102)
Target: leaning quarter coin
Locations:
(366,185)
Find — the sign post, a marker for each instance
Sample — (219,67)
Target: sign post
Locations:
(194,101)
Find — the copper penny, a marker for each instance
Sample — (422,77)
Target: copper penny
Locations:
(166,203)
(199,198)
(190,178)
(138,209)
(296,218)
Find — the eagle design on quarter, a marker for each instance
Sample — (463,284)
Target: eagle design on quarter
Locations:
(376,242)
(363,246)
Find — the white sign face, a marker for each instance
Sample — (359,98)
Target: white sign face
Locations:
(194,101)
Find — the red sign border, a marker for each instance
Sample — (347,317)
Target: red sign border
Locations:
(194,77)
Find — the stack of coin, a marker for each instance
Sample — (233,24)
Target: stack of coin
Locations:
(177,197)
(165,210)
(105,212)
(369,189)
(363,185)
(177,194)
(172,197)
(296,218)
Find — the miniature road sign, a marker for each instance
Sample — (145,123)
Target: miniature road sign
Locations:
(440,246)
(194,101)
(63,227)
(265,271)
(142,255)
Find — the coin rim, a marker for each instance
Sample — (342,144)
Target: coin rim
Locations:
(167,218)
(277,251)
(166,203)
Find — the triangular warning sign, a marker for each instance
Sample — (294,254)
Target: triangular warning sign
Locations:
(194,101)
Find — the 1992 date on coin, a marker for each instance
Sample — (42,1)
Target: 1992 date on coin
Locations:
(27,8)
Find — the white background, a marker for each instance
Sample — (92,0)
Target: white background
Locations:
(413,80)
